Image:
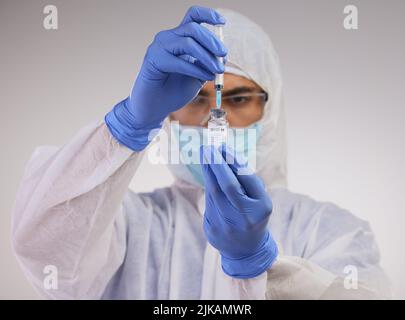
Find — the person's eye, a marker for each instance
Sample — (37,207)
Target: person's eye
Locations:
(199,101)
(239,100)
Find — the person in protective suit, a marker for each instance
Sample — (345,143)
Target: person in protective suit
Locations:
(213,234)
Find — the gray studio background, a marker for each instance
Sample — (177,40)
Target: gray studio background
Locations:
(344,93)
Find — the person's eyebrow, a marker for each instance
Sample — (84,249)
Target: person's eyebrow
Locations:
(231,92)
(238,90)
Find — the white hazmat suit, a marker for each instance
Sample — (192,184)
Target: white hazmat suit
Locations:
(74,211)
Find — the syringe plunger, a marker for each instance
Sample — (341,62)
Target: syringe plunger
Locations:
(219,77)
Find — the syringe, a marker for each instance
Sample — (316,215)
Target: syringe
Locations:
(219,77)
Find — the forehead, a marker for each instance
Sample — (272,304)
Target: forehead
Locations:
(231,81)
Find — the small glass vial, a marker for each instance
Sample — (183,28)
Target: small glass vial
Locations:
(217,127)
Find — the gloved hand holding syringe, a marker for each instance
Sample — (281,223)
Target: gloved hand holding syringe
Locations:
(176,66)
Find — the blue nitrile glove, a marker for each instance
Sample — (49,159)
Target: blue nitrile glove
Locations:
(175,67)
(237,210)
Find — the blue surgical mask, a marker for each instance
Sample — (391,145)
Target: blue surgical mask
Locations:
(239,139)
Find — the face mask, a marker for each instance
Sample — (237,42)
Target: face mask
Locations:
(242,140)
